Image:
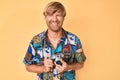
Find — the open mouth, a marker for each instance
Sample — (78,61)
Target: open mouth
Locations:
(54,23)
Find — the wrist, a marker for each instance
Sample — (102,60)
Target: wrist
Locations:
(69,67)
(43,69)
(40,69)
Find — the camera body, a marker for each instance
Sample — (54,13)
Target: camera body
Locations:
(56,58)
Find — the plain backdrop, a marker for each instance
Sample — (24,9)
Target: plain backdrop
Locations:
(95,22)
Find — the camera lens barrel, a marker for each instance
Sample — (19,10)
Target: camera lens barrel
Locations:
(59,62)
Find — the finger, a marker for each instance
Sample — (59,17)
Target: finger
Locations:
(63,62)
(49,66)
(48,60)
(49,63)
(47,69)
(60,69)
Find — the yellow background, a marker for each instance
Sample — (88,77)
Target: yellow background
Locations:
(95,22)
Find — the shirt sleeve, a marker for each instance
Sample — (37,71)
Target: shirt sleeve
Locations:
(31,57)
(79,54)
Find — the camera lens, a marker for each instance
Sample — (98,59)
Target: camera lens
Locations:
(59,63)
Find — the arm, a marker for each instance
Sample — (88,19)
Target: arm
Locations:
(66,67)
(35,68)
(78,57)
(75,66)
(40,69)
(32,62)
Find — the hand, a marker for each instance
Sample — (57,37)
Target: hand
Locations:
(48,64)
(62,68)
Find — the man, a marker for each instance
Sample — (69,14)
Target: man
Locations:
(54,54)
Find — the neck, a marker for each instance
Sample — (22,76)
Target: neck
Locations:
(54,35)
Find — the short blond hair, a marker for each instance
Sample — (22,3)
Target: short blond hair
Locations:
(53,7)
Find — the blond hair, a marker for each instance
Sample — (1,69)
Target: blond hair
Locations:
(53,7)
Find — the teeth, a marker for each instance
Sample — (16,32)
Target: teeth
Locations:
(54,23)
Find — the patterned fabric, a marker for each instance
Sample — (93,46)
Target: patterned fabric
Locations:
(40,47)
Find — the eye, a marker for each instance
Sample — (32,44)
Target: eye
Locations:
(59,15)
(49,15)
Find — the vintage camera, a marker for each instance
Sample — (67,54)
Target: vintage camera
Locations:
(56,58)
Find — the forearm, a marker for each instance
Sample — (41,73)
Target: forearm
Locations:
(75,66)
(35,68)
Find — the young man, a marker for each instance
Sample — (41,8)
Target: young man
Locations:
(54,54)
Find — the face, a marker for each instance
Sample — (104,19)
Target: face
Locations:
(54,21)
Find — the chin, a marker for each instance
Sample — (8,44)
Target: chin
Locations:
(56,30)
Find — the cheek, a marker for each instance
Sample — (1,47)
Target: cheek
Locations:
(47,19)
(61,19)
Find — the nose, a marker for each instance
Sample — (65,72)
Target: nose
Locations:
(54,18)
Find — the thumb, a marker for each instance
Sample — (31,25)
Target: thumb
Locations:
(62,60)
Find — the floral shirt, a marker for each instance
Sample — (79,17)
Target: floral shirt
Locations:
(40,47)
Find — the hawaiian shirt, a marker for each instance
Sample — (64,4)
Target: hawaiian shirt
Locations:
(40,47)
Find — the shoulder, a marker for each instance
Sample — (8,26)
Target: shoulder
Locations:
(74,39)
(39,37)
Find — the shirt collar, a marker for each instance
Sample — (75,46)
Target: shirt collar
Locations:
(62,39)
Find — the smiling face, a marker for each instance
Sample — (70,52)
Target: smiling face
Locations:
(54,15)
(54,21)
